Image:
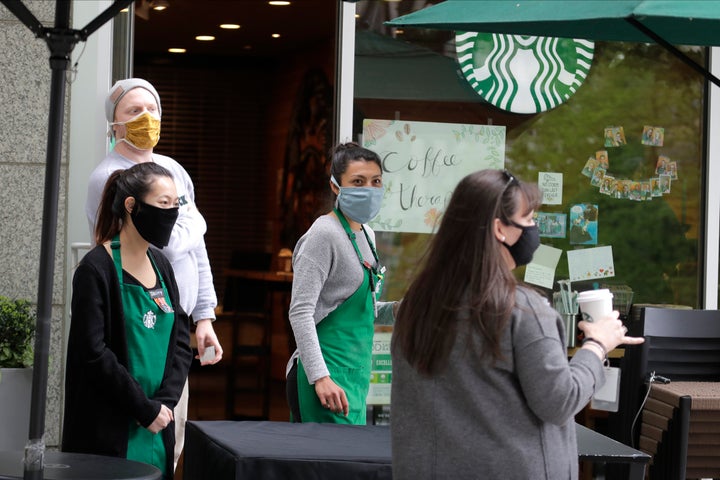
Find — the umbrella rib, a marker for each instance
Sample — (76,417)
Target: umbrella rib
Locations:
(674,50)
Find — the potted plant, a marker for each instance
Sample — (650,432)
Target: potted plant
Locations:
(17,331)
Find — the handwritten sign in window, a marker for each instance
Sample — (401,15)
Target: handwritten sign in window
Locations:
(551,185)
(422,164)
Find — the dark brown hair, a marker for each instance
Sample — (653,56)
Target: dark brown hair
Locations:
(341,155)
(464,276)
(135,182)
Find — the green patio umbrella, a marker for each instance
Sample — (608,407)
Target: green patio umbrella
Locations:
(415,71)
(666,22)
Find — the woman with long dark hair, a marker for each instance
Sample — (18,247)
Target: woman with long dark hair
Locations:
(129,344)
(481,384)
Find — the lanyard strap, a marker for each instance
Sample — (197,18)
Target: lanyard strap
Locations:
(351,236)
(375,274)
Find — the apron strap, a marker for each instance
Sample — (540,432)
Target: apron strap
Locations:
(117,260)
(115,248)
(375,272)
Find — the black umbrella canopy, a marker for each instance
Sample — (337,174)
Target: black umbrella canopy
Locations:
(666,22)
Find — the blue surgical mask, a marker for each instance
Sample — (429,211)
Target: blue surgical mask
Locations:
(360,204)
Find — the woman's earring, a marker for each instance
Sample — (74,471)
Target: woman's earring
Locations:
(503,239)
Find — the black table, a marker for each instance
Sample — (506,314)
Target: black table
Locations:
(78,466)
(280,450)
(595,447)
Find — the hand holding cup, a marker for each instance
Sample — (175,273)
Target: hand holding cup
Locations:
(601,323)
(609,331)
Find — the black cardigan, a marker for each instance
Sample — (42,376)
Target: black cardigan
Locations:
(101,397)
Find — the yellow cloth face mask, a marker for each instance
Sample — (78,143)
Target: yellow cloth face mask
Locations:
(141,132)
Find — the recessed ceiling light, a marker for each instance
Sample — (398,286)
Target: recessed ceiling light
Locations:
(230,26)
(159,5)
(279,3)
(177,50)
(275,35)
(205,38)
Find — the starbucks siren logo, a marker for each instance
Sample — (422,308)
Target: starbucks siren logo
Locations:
(523,74)
(149,319)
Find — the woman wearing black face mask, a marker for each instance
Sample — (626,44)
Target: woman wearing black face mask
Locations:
(128,350)
(481,384)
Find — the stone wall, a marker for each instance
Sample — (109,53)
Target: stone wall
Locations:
(25,99)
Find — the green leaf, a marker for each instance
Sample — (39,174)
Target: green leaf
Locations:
(17,331)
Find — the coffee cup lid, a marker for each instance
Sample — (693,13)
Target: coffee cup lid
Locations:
(594,294)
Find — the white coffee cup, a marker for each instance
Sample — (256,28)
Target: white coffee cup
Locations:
(595,304)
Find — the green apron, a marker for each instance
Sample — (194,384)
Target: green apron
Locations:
(149,319)
(345,337)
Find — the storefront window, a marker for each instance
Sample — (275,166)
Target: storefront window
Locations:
(654,229)
(123,43)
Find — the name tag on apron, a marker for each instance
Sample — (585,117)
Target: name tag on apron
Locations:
(158,297)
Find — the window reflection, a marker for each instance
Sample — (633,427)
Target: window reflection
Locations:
(656,241)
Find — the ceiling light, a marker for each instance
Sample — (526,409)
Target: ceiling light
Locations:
(399,31)
(230,26)
(275,35)
(279,3)
(205,38)
(159,5)
(177,50)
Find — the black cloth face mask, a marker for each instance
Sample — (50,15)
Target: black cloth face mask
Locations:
(154,224)
(522,251)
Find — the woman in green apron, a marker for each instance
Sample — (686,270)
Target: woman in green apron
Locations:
(336,286)
(128,349)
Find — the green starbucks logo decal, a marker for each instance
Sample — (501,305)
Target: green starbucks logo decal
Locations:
(523,74)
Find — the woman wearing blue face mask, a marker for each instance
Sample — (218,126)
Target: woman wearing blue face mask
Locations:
(337,282)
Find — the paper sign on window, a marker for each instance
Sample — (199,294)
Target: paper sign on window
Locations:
(422,164)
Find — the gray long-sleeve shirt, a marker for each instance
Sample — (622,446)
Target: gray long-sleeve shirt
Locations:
(326,272)
(511,420)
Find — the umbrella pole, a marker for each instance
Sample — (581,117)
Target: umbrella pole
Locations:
(674,50)
(60,47)
(60,40)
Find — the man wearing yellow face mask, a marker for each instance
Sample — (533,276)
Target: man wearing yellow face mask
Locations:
(133,110)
